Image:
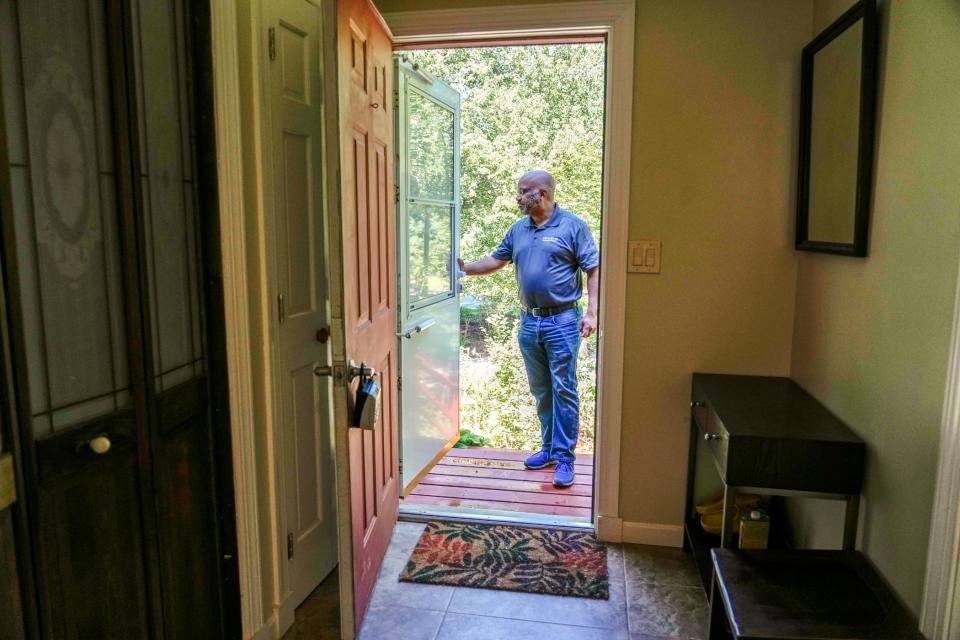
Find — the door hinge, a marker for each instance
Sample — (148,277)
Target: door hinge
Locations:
(280,311)
(272,42)
(396,101)
(289,546)
(399,383)
(396,191)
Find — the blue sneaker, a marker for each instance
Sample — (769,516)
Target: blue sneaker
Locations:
(563,476)
(539,460)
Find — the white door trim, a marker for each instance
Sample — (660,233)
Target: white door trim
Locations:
(940,614)
(614,19)
(226,80)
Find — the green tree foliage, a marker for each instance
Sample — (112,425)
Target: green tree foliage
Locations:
(532,107)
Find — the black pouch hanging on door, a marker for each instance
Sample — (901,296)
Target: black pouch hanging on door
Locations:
(366,409)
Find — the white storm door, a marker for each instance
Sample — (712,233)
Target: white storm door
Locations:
(428,135)
(304,399)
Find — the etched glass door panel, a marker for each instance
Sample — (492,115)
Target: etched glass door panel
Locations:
(63,180)
(168,192)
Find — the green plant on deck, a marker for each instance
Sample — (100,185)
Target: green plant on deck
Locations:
(470,439)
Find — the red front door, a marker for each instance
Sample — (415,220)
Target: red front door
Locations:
(369,276)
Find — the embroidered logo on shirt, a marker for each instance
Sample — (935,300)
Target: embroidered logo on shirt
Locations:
(552,239)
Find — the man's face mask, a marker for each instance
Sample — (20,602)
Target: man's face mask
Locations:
(527,200)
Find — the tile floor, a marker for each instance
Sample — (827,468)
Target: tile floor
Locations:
(655,594)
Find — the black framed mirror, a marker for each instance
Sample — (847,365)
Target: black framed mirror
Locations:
(837,106)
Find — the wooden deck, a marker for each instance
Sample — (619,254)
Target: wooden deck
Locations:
(496,480)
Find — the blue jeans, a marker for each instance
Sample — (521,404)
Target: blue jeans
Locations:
(549,347)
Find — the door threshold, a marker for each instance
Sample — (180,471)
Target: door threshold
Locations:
(425,513)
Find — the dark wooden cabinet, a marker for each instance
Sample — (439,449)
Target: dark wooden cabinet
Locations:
(766,435)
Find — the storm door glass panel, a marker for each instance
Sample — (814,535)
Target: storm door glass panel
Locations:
(430,206)
(64,189)
(430,238)
(169,195)
(430,152)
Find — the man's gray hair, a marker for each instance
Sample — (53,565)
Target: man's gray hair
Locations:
(543,179)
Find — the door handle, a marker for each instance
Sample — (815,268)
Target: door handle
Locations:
(363,370)
(321,371)
(419,328)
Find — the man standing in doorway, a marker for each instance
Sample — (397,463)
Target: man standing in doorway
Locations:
(549,247)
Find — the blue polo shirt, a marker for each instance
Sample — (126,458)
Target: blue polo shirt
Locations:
(548,258)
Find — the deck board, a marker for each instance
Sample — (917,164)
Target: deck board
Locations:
(542,475)
(499,506)
(468,482)
(487,479)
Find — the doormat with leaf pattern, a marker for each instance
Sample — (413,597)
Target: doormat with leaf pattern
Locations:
(488,556)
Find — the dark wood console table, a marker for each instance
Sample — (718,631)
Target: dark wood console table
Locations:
(766,435)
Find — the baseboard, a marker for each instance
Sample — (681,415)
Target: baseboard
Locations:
(610,528)
(661,535)
(268,631)
(285,614)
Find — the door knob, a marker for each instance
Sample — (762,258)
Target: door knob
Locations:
(363,370)
(323,370)
(100,444)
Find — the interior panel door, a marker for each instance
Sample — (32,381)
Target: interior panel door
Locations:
(369,277)
(429,317)
(305,401)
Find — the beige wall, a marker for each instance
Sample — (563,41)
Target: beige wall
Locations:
(872,335)
(715,110)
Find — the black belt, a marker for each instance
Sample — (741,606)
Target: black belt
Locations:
(546,312)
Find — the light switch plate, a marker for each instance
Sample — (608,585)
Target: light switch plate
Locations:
(643,256)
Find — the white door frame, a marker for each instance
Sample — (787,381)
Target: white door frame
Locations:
(237,305)
(615,20)
(940,613)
